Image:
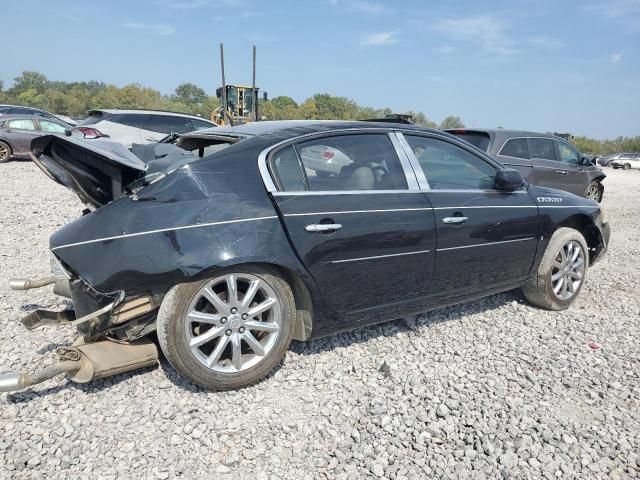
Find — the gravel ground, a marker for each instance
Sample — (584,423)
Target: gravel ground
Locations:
(489,389)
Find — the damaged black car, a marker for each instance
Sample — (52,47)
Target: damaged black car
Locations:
(229,243)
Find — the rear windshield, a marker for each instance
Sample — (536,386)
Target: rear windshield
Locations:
(479,139)
(94,118)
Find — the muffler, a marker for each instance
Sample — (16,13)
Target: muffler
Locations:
(28,283)
(90,361)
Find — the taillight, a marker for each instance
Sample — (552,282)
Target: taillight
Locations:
(89,132)
(328,154)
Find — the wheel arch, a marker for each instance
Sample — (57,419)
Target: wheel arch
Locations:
(586,226)
(8,144)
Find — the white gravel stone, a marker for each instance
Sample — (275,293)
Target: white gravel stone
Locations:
(489,389)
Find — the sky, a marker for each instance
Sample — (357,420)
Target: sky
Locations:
(541,65)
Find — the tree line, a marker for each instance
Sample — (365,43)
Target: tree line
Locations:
(75,99)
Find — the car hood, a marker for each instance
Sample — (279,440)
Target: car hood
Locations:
(100,171)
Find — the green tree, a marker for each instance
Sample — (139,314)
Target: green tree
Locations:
(451,122)
(189,93)
(29,81)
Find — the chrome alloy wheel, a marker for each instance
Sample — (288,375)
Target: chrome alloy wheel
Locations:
(5,153)
(233,322)
(592,193)
(567,270)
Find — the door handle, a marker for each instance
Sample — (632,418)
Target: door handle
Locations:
(562,172)
(454,220)
(322,227)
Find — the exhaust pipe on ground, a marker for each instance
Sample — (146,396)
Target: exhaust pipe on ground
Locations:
(28,283)
(86,362)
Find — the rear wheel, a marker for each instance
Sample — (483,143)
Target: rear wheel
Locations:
(594,191)
(5,152)
(229,331)
(627,166)
(561,273)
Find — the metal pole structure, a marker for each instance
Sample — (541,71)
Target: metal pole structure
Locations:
(225,112)
(254,102)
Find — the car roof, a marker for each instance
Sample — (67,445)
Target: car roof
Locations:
(292,128)
(22,106)
(501,132)
(155,112)
(15,116)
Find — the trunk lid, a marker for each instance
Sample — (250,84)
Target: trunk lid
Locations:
(96,171)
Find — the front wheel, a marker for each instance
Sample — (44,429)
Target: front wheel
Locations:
(627,166)
(229,331)
(594,191)
(561,273)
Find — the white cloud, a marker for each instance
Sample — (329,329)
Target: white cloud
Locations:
(365,7)
(616,57)
(382,38)
(624,12)
(485,31)
(154,28)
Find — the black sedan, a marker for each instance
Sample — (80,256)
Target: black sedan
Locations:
(227,246)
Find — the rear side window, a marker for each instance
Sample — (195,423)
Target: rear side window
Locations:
(167,124)
(478,139)
(288,171)
(341,163)
(135,120)
(449,166)
(542,148)
(94,118)
(21,124)
(200,124)
(515,147)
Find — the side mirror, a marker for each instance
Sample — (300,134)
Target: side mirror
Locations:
(509,179)
(67,132)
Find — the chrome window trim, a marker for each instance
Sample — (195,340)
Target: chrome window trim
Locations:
(340,192)
(264,155)
(405,162)
(375,257)
(387,210)
(415,167)
(464,207)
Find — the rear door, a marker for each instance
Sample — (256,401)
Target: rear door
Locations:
(366,233)
(514,153)
(549,171)
(570,169)
(159,126)
(487,238)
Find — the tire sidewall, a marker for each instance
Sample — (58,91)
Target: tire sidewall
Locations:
(560,238)
(8,147)
(173,338)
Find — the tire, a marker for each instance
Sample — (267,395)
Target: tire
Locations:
(627,166)
(594,191)
(176,329)
(5,152)
(540,289)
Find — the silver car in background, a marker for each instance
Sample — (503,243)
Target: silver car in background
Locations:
(626,161)
(137,126)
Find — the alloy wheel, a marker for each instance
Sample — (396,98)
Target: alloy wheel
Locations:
(4,152)
(592,193)
(233,322)
(568,270)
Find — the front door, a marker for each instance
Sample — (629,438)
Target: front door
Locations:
(563,172)
(20,132)
(365,237)
(486,238)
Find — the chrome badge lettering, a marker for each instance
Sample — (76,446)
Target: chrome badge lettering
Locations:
(549,199)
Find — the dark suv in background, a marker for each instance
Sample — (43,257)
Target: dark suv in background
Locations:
(543,159)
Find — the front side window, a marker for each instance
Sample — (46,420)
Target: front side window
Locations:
(53,127)
(346,162)
(568,154)
(449,166)
(516,147)
(21,124)
(542,148)
(199,124)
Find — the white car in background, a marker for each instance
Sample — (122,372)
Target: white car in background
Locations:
(324,160)
(627,161)
(137,126)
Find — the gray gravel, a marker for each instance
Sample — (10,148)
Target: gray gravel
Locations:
(488,389)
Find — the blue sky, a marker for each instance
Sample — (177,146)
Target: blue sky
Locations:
(532,64)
